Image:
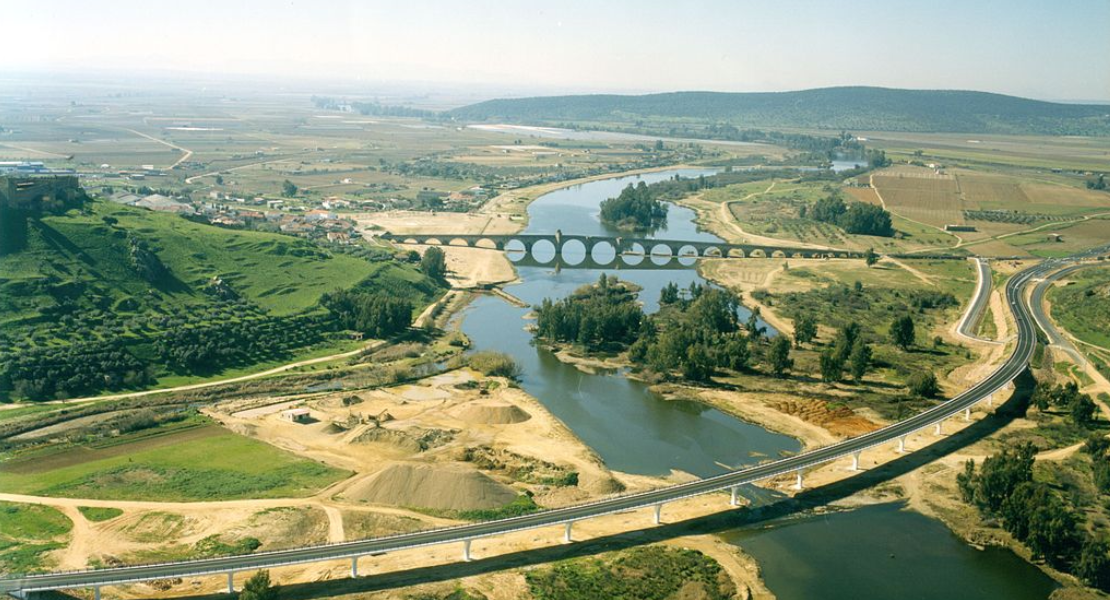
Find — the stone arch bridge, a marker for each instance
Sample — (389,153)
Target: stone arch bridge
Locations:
(619,245)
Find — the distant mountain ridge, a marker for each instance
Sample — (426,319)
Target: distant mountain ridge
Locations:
(836,108)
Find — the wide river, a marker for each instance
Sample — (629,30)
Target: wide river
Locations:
(635,431)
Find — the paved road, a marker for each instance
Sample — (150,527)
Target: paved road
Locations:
(970,321)
(1014,365)
(1055,338)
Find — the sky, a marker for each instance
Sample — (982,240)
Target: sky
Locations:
(1047,49)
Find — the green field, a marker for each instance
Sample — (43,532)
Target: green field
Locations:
(282,275)
(27,533)
(1083,307)
(775,212)
(76,282)
(214,465)
(97,514)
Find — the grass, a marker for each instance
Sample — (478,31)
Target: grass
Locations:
(224,466)
(1083,308)
(14,411)
(775,213)
(647,573)
(32,522)
(73,282)
(521,505)
(97,514)
(1075,237)
(28,533)
(280,274)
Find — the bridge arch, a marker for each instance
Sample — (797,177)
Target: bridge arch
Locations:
(573,251)
(778,254)
(687,255)
(603,252)
(711,252)
(459,242)
(758,253)
(543,251)
(661,254)
(432,241)
(633,254)
(488,244)
(516,250)
(736,253)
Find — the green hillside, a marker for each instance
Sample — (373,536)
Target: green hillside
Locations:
(840,108)
(135,296)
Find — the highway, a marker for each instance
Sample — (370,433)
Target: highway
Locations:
(974,314)
(1022,351)
(1036,300)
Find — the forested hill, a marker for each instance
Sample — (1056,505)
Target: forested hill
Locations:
(839,108)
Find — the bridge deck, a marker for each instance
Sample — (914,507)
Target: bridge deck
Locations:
(621,245)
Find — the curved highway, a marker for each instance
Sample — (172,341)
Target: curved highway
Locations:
(974,314)
(463,534)
(1036,301)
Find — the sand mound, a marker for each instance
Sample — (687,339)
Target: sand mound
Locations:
(390,437)
(599,484)
(493,413)
(334,428)
(432,486)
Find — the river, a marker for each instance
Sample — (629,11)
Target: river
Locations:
(874,552)
(631,428)
(884,551)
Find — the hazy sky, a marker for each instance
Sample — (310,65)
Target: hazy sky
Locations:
(1052,49)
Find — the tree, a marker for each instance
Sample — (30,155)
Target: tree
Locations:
(669,294)
(1097,445)
(924,384)
(832,367)
(635,208)
(805,330)
(434,263)
(258,587)
(698,365)
(736,352)
(288,189)
(376,314)
(870,257)
(860,359)
(779,356)
(219,180)
(755,330)
(1082,410)
(902,332)
(1093,566)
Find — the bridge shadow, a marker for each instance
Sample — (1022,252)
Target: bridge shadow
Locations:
(776,508)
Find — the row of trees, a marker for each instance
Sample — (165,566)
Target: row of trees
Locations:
(1035,514)
(848,352)
(857,217)
(1079,406)
(210,349)
(72,371)
(375,314)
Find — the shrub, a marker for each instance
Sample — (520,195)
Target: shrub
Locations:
(494,364)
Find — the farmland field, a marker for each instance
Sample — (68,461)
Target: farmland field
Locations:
(921,196)
(203,462)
